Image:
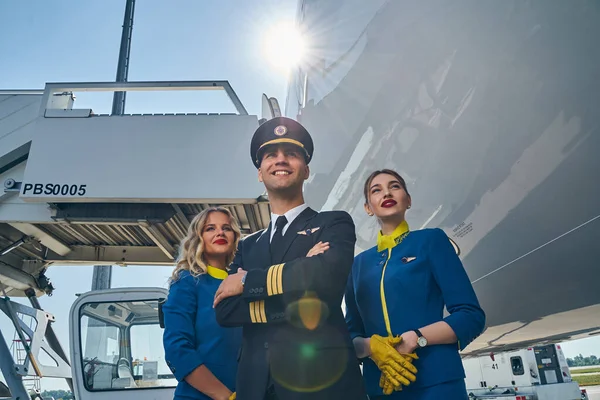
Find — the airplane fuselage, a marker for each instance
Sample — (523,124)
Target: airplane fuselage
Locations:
(489,111)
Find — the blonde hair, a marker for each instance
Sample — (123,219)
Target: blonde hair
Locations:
(191,254)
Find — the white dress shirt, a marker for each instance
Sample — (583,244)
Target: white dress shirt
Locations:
(290,215)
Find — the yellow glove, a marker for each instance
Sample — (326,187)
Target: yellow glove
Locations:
(386,385)
(397,369)
(232,397)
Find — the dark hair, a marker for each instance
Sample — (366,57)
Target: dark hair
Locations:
(379,172)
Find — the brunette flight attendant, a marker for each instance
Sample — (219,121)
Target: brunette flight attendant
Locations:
(201,354)
(397,291)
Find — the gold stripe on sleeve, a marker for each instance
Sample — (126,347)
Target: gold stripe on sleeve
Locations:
(253,312)
(263,315)
(280,279)
(274,280)
(269,283)
(276,288)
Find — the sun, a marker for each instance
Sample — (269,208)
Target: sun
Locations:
(284,46)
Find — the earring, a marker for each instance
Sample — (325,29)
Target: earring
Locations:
(408,206)
(370,214)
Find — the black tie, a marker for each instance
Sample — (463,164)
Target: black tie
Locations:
(277,241)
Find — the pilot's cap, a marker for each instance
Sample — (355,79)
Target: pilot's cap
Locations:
(280,130)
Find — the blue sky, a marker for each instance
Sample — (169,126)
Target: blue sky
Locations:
(74,40)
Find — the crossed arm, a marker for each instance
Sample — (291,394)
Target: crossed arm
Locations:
(262,300)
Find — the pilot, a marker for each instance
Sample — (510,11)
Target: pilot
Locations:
(201,354)
(289,284)
(396,293)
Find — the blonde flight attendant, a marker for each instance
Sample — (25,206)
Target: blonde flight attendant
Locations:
(201,354)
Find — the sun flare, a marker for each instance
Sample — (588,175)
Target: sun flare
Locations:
(284,46)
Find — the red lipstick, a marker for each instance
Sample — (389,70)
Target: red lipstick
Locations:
(220,241)
(388,203)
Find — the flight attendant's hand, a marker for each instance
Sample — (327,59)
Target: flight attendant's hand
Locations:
(231,286)
(397,369)
(386,385)
(318,248)
(408,344)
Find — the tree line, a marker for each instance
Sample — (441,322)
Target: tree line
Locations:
(581,361)
(58,394)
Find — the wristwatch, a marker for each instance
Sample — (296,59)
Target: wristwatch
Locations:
(421,340)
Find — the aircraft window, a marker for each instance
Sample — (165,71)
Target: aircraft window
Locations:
(121,344)
(516,364)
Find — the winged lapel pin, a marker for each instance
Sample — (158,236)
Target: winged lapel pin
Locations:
(309,231)
(406,260)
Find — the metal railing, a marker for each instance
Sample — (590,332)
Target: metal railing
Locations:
(61,87)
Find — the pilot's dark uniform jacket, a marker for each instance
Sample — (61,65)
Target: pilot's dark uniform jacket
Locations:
(403,284)
(192,336)
(296,343)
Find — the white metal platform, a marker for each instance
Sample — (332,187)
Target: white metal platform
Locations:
(82,188)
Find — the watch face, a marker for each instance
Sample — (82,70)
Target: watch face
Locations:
(422,342)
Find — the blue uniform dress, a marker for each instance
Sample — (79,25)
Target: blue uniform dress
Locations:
(412,276)
(192,336)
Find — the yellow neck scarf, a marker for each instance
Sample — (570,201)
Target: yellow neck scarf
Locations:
(216,272)
(390,241)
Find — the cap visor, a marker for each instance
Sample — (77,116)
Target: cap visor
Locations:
(278,141)
(282,140)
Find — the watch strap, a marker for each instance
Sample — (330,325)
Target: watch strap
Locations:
(421,340)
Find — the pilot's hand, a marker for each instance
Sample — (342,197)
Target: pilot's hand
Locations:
(397,369)
(318,248)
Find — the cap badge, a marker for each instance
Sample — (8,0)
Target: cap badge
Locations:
(280,130)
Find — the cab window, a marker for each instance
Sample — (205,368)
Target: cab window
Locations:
(516,364)
(121,346)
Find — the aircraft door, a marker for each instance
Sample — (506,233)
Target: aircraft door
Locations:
(473,375)
(495,371)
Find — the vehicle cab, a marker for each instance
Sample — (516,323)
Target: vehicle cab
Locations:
(537,373)
(116,345)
